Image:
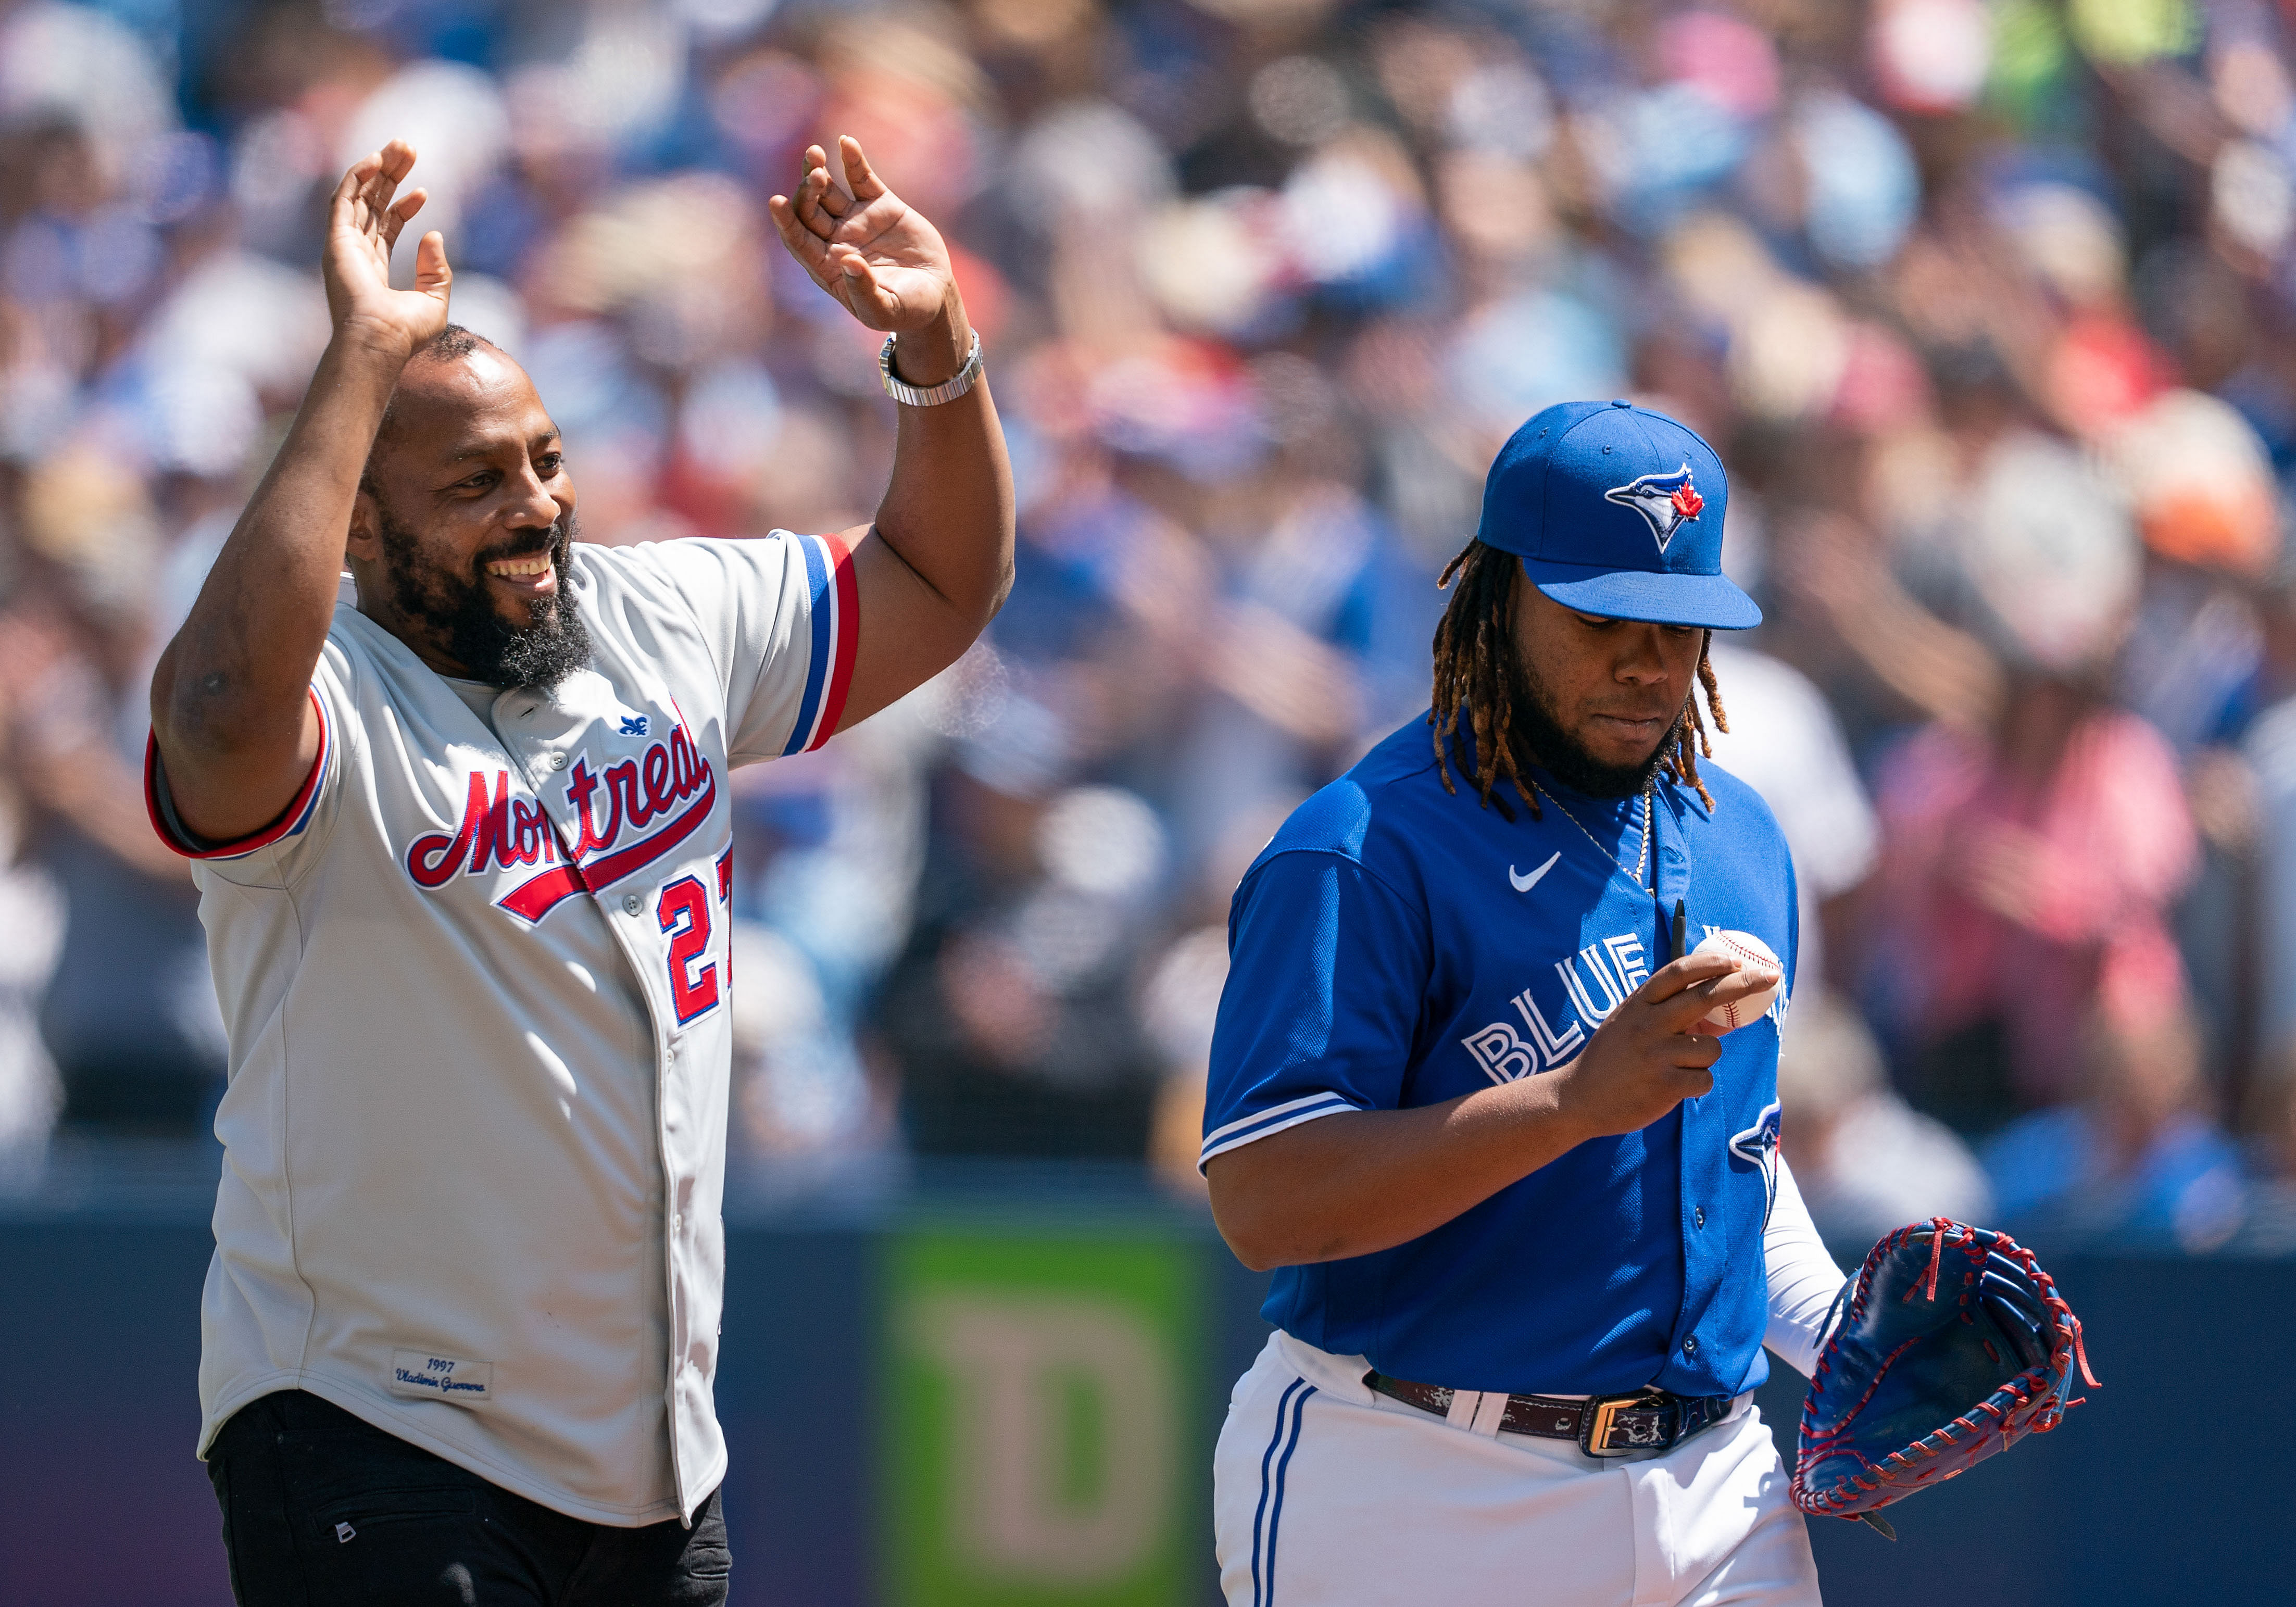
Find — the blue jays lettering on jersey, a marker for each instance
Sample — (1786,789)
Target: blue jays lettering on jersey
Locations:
(1397,945)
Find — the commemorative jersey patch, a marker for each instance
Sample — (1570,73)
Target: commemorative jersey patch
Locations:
(420,1376)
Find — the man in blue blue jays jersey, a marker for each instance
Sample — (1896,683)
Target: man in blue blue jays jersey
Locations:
(1529,1224)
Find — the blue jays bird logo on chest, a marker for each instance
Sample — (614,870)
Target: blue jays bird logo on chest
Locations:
(1663,500)
(1758,1146)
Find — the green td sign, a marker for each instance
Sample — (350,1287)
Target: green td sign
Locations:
(1038,1444)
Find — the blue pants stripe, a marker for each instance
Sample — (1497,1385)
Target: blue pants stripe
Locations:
(1266,1462)
(1264,1579)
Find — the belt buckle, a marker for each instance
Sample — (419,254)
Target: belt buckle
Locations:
(1604,1434)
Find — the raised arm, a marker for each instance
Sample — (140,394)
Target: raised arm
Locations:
(231,709)
(1364,1181)
(935,565)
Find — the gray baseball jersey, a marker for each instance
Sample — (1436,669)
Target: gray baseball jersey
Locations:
(476,983)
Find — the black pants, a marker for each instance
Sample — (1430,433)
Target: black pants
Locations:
(321,1510)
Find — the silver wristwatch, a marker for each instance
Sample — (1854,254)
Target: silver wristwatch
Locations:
(928,396)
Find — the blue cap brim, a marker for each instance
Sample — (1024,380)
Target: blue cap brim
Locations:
(1712,601)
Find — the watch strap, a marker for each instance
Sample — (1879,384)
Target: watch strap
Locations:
(927,395)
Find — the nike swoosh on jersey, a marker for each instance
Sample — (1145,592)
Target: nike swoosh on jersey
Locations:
(1523,884)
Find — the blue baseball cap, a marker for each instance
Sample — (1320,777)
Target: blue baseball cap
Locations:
(1617,511)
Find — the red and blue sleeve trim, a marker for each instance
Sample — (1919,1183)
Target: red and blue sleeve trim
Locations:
(292,820)
(836,619)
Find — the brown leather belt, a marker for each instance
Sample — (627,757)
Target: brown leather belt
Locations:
(1603,1426)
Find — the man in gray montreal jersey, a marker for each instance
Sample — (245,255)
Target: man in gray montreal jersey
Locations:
(464,845)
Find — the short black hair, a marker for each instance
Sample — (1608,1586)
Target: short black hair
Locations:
(451,344)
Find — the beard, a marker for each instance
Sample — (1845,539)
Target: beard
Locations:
(1541,738)
(461,616)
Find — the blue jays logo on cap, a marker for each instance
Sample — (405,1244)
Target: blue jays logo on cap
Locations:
(1617,511)
(1666,500)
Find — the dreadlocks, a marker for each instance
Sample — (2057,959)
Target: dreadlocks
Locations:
(1475,669)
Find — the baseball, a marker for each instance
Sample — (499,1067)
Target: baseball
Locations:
(1743,1012)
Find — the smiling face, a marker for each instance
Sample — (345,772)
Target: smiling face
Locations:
(1600,699)
(460,534)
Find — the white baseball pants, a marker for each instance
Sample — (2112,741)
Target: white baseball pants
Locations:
(1327,1494)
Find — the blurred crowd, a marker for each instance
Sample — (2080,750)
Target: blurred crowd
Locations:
(1989,305)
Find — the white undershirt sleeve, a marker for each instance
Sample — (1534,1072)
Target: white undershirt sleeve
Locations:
(1803,1278)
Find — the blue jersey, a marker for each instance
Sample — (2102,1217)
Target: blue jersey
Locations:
(1398,945)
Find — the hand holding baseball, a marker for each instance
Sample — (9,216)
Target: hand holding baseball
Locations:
(1652,1051)
(1757,957)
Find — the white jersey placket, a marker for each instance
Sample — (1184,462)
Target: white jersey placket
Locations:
(547,728)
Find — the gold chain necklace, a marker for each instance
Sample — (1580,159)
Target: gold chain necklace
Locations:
(1642,859)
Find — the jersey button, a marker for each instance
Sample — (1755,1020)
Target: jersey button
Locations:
(558,761)
(633,903)
(1689,1346)
(1698,1215)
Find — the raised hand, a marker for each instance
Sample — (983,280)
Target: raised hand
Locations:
(874,252)
(362,226)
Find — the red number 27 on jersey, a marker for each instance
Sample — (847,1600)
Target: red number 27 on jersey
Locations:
(684,911)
